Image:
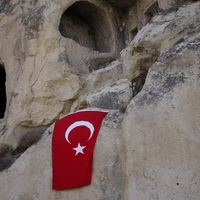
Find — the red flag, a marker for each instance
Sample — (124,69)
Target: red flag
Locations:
(73,141)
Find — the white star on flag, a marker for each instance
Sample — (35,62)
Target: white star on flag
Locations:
(79,149)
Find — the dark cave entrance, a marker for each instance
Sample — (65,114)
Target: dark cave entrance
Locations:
(133,33)
(3,98)
(88,25)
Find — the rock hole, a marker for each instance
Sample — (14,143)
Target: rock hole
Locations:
(86,24)
(133,33)
(152,11)
(3,98)
(144,58)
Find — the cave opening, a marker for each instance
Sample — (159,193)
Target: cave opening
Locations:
(87,24)
(133,33)
(3,98)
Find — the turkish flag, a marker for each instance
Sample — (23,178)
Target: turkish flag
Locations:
(73,141)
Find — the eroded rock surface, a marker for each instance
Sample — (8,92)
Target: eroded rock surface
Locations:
(146,73)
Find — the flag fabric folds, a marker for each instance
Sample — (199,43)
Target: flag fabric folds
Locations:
(73,142)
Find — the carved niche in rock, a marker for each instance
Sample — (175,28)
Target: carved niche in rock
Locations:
(92,30)
(86,24)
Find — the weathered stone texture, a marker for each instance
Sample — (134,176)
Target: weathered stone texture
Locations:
(169,151)
(144,71)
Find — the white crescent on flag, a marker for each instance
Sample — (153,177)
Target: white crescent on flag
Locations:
(77,124)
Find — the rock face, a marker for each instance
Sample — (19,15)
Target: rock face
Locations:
(138,59)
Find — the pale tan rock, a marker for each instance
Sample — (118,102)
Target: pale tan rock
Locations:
(155,154)
(112,97)
(163,154)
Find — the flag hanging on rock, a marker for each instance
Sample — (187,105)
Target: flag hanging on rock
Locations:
(73,141)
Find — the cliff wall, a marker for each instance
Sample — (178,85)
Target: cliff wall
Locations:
(137,59)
